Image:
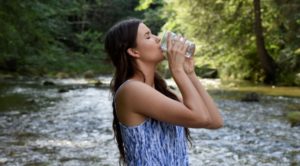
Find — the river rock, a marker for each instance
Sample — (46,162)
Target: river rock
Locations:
(48,83)
(250,97)
(89,74)
(206,72)
(98,83)
(63,90)
(31,101)
(3,160)
(61,75)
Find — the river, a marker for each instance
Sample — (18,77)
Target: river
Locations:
(40,126)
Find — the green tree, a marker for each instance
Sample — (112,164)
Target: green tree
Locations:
(39,37)
(222,31)
(225,38)
(266,60)
(153,14)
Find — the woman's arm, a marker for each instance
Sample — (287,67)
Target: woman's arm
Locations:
(215,116)
(136,99)
(190,97)
(139,99)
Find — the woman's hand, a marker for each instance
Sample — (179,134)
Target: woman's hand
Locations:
(176,52)
(189,66)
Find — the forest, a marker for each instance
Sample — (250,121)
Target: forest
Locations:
(253,40)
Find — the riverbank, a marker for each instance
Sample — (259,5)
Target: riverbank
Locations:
(217,84)
(89,77)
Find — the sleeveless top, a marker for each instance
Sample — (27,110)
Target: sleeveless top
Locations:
(154,143)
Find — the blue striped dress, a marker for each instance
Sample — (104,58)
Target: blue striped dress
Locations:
(154,143)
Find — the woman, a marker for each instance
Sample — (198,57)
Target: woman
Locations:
(149,120)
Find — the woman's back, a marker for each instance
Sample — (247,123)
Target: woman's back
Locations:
(154,143)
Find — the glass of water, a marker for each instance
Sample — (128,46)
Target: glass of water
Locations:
(191,46)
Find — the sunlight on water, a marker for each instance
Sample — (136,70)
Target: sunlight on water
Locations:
(74,128)
(63,143)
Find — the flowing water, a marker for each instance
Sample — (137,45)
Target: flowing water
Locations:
(40,126)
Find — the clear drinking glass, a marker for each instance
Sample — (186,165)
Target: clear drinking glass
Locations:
(191,46)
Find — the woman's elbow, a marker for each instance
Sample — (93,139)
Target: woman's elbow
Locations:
(209,123)
(201,122)
(216,124)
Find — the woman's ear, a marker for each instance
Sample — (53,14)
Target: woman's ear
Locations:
(133,52)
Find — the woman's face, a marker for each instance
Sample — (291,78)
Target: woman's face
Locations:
(148,45)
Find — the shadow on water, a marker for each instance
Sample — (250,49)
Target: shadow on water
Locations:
(41,125)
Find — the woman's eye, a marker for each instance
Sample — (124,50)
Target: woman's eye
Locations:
(148,37)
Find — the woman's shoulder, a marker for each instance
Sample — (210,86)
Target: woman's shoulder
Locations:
(128,96)
(132,86)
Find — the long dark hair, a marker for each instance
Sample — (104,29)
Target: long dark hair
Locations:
(117,40)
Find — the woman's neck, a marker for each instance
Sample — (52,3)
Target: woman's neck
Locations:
(147,76)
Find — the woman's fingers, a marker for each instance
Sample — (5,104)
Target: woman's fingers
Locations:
(185,47)
(179,43)
(176,45)
(169,42)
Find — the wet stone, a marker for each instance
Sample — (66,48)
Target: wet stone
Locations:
(250,97)
(48,83)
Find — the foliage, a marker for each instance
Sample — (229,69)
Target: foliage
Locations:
(40,37)
(153,15)
(45,37)
(223,33)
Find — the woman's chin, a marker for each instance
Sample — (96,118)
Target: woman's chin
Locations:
(162,57)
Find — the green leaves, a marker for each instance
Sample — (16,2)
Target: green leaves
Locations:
(51,36)
(60,35)
(144,4)
(224,35)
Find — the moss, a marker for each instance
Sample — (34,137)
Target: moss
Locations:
(61,75)
(293,107)
(294,118)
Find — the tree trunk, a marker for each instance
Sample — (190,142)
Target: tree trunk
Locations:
(266,60)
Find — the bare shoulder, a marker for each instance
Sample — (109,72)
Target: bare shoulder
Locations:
(131,87)
(128,96)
